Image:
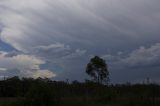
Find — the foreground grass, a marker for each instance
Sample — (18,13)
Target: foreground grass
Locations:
(89,101)
(16,101)
(40,92)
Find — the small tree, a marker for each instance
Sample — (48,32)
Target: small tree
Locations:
(97,68)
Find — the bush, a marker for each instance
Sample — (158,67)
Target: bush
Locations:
(40,94)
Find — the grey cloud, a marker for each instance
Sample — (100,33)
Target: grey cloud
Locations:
(57,52)
(12,54)
(81,28)
(144,57)
(76,22)
(138,58)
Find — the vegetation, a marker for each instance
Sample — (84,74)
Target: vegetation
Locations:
(97,68)
(44,92)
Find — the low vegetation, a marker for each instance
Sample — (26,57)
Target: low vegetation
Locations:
(44,92)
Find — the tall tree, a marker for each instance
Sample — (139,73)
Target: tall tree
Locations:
(98,69)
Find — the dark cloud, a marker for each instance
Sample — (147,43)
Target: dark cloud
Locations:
(144,57)
(12,54)
(68,32)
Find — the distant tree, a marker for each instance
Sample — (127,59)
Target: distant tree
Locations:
(97,68)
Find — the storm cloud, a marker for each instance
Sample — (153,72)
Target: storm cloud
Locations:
(66,33)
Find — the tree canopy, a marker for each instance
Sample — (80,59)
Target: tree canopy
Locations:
(98,69)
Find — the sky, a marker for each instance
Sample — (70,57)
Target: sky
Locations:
(57,38)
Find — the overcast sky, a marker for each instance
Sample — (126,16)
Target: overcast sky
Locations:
(56,38)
